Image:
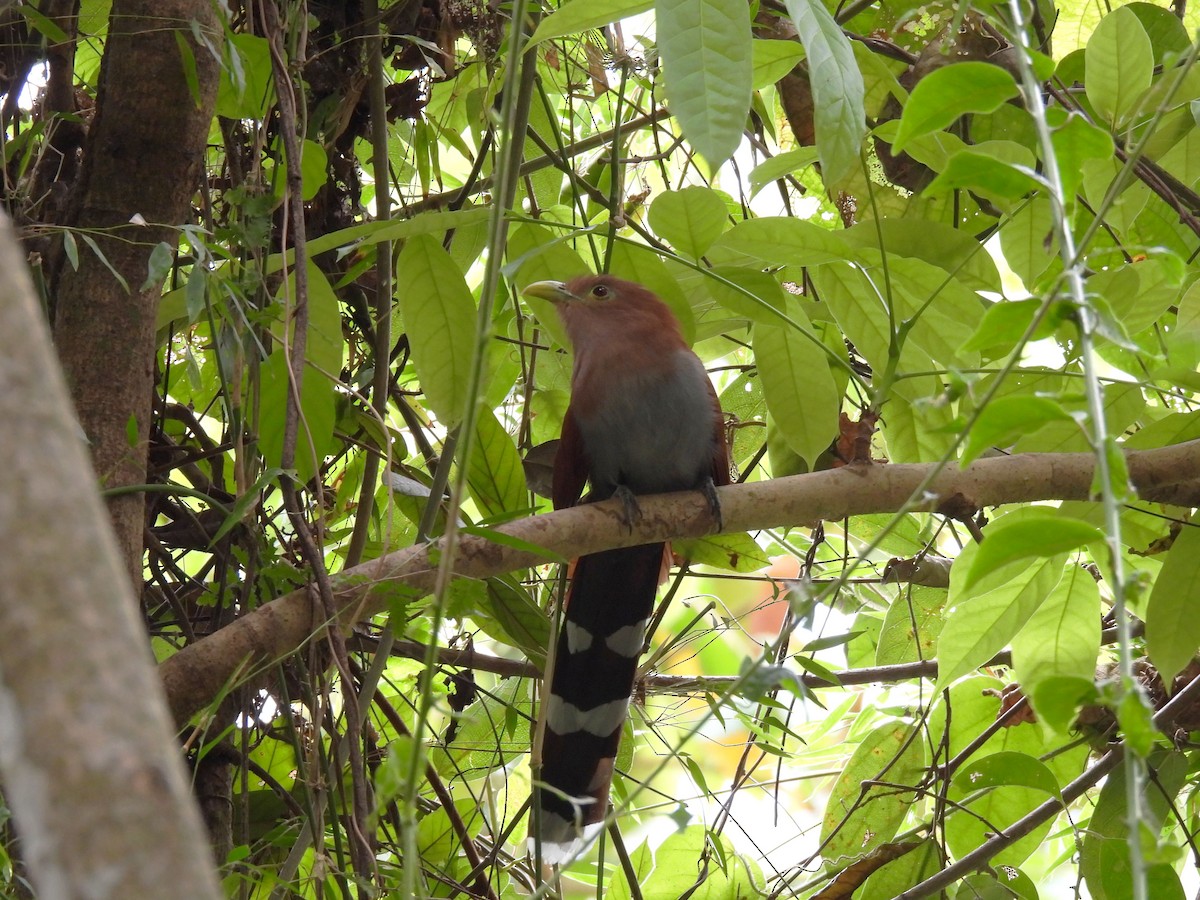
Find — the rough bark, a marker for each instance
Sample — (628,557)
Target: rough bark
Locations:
(143,158)
(198,673)
(87,754)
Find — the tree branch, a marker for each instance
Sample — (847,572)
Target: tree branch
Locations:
(196,675)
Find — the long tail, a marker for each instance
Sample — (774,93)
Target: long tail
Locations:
(610,601)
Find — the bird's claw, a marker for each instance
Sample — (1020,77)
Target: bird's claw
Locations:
(631,513)
(709,490)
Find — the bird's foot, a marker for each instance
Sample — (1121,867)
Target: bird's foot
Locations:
(631,513)
(709,490)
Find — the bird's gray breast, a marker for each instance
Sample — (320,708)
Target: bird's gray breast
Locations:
(653,434)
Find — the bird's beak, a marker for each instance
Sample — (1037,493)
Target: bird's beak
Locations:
(552,291)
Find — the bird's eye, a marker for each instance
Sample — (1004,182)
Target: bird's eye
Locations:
(599,292)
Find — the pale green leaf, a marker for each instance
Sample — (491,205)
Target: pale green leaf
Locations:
(495,475)
(1007,768)
(735,552)
(1061,640)
(1172,623)
(641,264)
(747,292)
(1004,420)
(837,88)
(438,315)
(780,165)
(707,60)
(690,219)
(774,59)
(950,92)
(584,15)
(981,171)
(798,386)
(978,628)
(783,241)
(1031,537)
(1119,65)
(856,820)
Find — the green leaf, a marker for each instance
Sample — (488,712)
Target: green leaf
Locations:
(690,219)
(41,23)
(1119,65)
(323,362)
(857,819)
(246,88)
(780,165)
(1004,323)
(1034,536)
(1004,420)
(774,59)
(509,614)
(315,433)
(837,89)
(1075,142)
(911,627)
(980,171)
(1006,768)
(955,251)
(897,876)
(71,249)
(799,388)
(159,265)
(747,292)
(1172,623)
(1060,641)
(736,552)
(495,475)
(945,94)
(584,15)
(978,627)
(537,255)
(438,314)
(784,241)
(707,60)
(313,161)
(1108,825)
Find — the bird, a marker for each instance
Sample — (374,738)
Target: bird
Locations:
(643,419)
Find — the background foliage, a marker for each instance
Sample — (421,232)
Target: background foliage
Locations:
(896,233)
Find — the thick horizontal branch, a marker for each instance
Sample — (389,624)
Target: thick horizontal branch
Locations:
(194,676)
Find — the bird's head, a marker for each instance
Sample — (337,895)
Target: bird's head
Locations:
(596,307)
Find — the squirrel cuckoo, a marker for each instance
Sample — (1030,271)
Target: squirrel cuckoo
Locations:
(643,419)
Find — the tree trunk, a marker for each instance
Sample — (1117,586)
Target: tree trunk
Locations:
(87,755)
(143,159)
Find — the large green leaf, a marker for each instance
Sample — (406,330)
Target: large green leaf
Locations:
(1004,420)
(1013,785)
(1120,64)
(1172,625)
(438,316)
(949,92)
(783,241)
(690,219)
(583,15)
(837,89)
(859,818)
(495,475)
(978,628)
(708,63)
(1029,537)
(1060,641)
(798,386)
(773,60)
